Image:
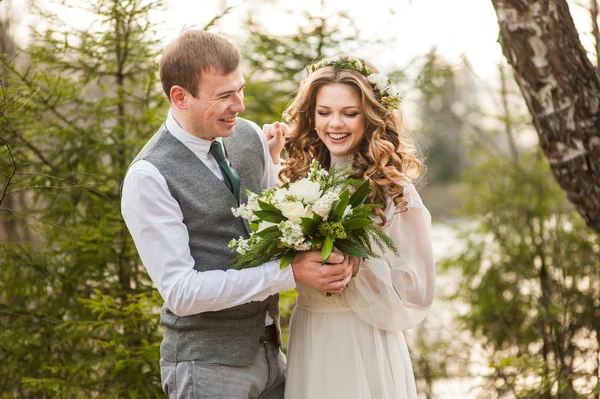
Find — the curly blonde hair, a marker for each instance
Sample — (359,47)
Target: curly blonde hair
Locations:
(384,157)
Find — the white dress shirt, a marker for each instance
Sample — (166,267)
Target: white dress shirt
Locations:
(155,222)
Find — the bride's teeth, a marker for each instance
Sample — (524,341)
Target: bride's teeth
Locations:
(338,136)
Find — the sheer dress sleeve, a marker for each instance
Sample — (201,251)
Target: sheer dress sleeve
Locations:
(396,292)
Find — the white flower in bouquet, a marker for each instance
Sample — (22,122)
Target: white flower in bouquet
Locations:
(305,190)
(241,246)
(247,211)
(307,246)
(294,211)
(292,234)
(323,205)
(316,174)
(279,197)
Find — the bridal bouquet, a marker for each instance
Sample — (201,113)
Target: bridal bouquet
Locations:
(315,213)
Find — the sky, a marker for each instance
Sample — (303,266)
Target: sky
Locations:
(410,28)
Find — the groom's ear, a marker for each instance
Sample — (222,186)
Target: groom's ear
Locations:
(178,97)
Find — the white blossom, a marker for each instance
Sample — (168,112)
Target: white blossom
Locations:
(294,211)
(303,247)
(324,204)
(279,197)
(305,190)
(241,245)
(291,234)
(246,211)
(379,81)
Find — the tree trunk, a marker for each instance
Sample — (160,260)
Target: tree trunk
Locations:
(562,91)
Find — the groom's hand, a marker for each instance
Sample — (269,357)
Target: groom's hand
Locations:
(275,134)
(332,277)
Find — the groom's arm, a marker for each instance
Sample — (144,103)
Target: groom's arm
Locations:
(155,222)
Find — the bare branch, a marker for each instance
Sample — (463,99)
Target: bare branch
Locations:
(75,185)
(23,217)
(9,178)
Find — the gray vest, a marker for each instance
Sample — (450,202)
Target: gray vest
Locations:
(230,336)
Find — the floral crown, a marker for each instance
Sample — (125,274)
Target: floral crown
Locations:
(382,86)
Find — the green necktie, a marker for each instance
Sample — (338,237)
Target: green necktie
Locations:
(232,180)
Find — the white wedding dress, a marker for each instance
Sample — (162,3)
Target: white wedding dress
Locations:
(351,346)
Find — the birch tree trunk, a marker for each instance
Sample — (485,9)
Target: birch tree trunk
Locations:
(562,91)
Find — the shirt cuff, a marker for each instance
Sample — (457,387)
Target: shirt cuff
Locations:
(279,279)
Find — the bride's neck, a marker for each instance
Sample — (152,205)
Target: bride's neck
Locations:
(342,162)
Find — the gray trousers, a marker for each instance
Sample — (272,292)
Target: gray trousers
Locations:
(264,379)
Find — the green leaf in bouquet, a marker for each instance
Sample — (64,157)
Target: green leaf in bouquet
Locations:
(363,236)
(287,259)
(317,219)
(309,227)
(360,195)
(327,248)
(341,205)
(317,242)
(270,216)
(268,207)
(268,231)
(350,248)
(253,226)
(354,224)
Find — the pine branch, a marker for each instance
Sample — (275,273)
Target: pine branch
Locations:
(382,240)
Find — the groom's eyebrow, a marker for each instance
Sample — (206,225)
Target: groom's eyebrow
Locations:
(231,91)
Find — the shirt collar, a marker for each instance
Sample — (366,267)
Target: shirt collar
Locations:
(198,146)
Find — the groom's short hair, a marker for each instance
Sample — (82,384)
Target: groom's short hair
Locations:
(194,52)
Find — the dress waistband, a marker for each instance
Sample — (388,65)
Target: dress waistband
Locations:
(302,304)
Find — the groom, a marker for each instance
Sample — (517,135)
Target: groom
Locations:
(221,336)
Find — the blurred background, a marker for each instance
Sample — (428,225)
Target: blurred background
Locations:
(517,311)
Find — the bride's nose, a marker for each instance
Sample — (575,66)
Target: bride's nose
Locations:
(336,121)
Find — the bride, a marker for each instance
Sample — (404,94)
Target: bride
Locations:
(351,345)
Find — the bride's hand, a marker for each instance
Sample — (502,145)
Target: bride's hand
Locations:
(332,277)
(354,261)
(275,133)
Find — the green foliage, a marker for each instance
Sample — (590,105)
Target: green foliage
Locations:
(531,280)
(276,63)
(78,312)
